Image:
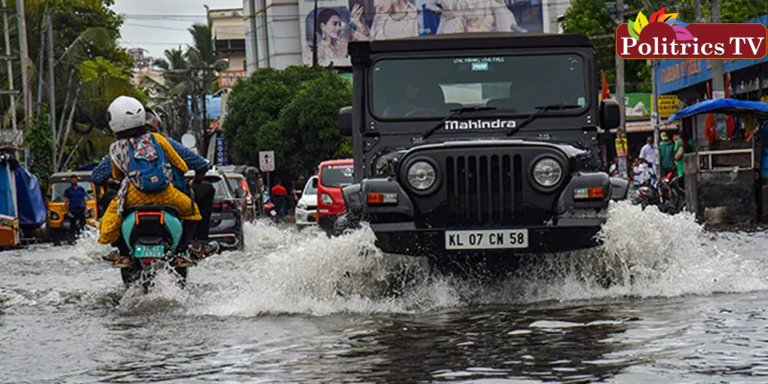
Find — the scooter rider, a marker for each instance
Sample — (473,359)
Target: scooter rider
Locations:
(127,119)
(103,172)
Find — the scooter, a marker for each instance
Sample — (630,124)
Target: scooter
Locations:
(153,236)
(668,194)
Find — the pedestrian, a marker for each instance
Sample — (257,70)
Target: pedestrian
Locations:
(640,174)
(74,205)
(614,169)
(648,152)
(298,188)
(280,199)
(679,151)
(667,155)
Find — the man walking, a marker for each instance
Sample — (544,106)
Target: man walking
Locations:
(280,199)
(298,189)
(648,152)
(74,205)
(667,155)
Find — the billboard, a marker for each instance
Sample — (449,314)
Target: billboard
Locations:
(342,21)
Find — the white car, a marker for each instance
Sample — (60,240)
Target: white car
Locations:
(306,209)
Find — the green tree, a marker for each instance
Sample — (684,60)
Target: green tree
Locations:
(309,125)
(592,18)
(293,112)
(256,101)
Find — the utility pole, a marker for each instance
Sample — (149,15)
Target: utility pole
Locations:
(40,68)
(717,64)
(51,81)
(655,118)
(718,83)
(25,66)
(8,63)
(697,10)
(314,38)
(620,93)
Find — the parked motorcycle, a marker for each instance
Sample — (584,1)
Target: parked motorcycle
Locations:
(668,194)
(153,235)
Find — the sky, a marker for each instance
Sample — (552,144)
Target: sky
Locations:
(157,25)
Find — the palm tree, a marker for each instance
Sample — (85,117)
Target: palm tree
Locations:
(171,96)
(204,63)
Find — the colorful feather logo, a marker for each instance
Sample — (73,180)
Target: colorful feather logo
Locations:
(635,27)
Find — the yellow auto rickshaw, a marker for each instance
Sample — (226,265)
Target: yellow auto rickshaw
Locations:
(59,182)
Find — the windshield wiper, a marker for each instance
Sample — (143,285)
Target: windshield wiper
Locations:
(455,113)
(540,110)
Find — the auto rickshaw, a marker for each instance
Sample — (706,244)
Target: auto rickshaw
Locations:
(57,222)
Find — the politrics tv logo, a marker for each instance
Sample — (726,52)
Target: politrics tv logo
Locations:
(664,36)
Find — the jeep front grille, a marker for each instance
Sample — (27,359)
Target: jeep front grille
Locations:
(484,190)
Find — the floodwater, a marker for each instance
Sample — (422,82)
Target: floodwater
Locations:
(687,306)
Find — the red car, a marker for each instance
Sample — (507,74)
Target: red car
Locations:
(333,176)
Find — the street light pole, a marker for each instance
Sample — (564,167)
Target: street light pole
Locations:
(655,117)
(314,38)
(620,94)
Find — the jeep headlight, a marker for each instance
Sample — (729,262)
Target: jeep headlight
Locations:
(54,216)
(421,175)
(547,172)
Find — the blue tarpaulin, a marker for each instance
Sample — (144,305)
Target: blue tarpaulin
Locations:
(7,193)
(32,211)
(724,106)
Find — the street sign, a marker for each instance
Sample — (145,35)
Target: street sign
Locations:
(221,151)
(188,140)
(267,161)
(9,137)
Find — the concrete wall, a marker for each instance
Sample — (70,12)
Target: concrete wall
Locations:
(272,32)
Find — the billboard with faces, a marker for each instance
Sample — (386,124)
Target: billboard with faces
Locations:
(342,21)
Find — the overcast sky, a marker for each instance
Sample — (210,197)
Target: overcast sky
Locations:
(157,25)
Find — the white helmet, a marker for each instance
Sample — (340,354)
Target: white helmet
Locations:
(125,113)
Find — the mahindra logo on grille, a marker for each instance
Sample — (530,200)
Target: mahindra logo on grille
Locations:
(453,125)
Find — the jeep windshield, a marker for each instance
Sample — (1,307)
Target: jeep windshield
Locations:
(424,88)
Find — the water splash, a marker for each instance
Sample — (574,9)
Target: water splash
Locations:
(286,271)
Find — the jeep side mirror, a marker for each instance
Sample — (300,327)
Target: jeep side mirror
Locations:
(345,122)
(610,115)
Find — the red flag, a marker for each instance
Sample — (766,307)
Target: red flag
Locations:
(709,127)
(605,92)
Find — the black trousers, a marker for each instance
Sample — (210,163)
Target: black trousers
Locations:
(77,221)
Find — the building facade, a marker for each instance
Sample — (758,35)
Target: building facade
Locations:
(229,36)
(281,33)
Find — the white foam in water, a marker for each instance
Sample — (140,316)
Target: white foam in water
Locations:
(650,254)
(283,270)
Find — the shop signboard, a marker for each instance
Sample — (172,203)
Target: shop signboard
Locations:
(637,106)
(342,21)
(229,79)
(668,105)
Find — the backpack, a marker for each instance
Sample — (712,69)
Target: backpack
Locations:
(149,175)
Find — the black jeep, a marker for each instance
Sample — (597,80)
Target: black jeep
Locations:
(470,144)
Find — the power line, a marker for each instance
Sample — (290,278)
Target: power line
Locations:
(154,27)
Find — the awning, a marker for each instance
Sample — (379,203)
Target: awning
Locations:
(724,106)
(643,126)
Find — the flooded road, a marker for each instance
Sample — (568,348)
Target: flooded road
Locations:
(686,306)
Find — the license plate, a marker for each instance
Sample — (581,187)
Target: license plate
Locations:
(149,251)
(486,239)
